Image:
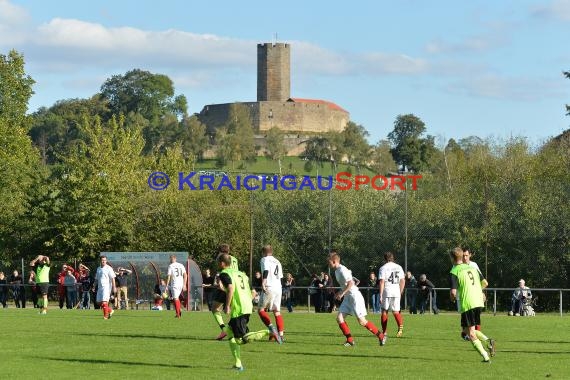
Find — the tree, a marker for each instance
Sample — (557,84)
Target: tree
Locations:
(382,161)
(236,140)
(318,149)
(275,143)
(15,89)
(409,149)
(193,137)
(355,145)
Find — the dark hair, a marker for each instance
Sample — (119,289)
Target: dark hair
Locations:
(388,256)
(225,258)
(224,248)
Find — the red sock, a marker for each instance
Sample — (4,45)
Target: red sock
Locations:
(371,327)
(105,309)
(346,331)
(384,320)
(279,322)
(478,327)
(399,319)
(264,317)
(177,307)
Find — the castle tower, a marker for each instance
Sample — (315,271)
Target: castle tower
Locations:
(273,72)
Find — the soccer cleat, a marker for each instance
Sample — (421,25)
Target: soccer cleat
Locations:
(43,312)
(491,347)
(222,335)
(239,369)
(382,339)
(486,360)
(111,313)
(273,332)
(348,344)
(399,334)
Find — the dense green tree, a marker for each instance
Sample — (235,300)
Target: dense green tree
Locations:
(382,161)
(236,140)
(355,144)
(318,149)
(193,137)
(409,148)
(15,89)
(275,143)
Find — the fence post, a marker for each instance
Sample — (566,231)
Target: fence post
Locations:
(494,302)
(560,302)
(308,301)
(430,311)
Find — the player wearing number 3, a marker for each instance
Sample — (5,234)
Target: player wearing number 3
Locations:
(272,274)
(177,279)
(392,282)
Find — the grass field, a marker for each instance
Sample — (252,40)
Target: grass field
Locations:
(72,344)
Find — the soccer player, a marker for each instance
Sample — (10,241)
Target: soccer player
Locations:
(467,260)
(466,289)
(105,280)
(392,282)
(239,304)
(219,295)
(353,303)
(272,273)
(42,265)
(177,279)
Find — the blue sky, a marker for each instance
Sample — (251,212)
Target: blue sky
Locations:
(483,68)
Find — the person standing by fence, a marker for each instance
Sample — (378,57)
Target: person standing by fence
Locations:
(3,290)
(427,292)
(18,290)
(288,291)
(411,292)
(374,293)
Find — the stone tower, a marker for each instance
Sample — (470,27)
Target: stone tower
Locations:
(273,72)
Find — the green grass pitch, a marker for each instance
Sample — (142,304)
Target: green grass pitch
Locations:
(79,344)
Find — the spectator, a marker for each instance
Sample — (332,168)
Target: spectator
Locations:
(256,283)
(328,291)
(33,288)
(374,293)
(207,284)
(60,286)
(3,290)
(411,292)
(86,283)
(70,283)
(18,291)
(426,289)
(288,292)
(519,295)
(121,284)
(315,293)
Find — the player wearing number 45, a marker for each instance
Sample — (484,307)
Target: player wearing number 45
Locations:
(392,282)
(272,273)
(177,279)
(353,302)
(239,304)
(466,289)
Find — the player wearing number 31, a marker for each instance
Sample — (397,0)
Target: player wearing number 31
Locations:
(177,279)
(392,281)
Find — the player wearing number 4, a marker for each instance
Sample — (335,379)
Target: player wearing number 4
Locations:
(392,282)
(239,304)
(353,302)
(177,279)
(466,289)
(272,273)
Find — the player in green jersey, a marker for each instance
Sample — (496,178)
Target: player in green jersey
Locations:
(41,264)
(466,288)
(239,304)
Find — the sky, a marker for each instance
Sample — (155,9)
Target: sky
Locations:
(491,69)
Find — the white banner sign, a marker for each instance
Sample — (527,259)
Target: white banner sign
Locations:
(144,256)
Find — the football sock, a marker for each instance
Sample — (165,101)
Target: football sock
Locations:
(346,331)
(479,347)
(256,335)
(177,306)
(218,317)
(236,351)
(280,324)
(400,320)
(372,328)
(264,317)
(384,320)
(481,336)
(105,309)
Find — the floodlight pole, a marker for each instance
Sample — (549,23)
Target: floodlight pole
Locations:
(251,236)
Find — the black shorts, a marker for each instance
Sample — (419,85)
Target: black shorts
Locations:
(239,325)
(219,296)
(43,288)
(471,317)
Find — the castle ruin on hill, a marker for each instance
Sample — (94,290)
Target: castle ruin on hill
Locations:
(297,118)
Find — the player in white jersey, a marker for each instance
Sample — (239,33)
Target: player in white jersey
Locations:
(271,273)
(105,281)
(177,279)
(353,302)
(392,281)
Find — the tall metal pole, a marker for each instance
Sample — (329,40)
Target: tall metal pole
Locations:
(406,229)
(251,235)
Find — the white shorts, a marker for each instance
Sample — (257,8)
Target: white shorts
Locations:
(353,304)
(391,303)
(272,299)
(103,295)
(175,292)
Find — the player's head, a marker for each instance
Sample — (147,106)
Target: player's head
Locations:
(224,260)
(172,259)
(224,248)
(334,259)
(389,257)
(466,254)
(456,255)
(103,259)
(267,251)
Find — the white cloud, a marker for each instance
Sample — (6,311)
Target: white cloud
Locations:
(557,9)
(11,14)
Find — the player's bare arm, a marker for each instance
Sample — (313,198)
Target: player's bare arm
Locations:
(185,277)
(402,286)
(381,288)
(453,294)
